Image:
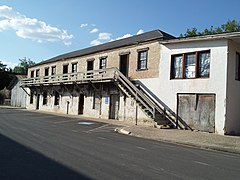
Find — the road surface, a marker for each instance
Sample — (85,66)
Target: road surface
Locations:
(40,146)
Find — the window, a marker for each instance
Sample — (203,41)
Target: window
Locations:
(53,70)
(191,65)
(31,98)
(65,69)
(204,64)
(37,72)
(57,98)
(46,71)
(142,60)
(32,74)
(96,101)
(74,68)
(103,63)
(44,98)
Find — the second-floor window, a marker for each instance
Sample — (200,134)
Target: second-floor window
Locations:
(65,69)
(37,72)
(103,63)
(46,71)
(74,67)
(32,74)
(53,70)
(190,65)
(142,60)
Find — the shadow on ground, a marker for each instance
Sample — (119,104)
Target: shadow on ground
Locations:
(19,162)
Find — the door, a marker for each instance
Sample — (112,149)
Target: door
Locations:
(198,111)
(38,101)
(81,104)
(123,66)
(89,68)
(114,106)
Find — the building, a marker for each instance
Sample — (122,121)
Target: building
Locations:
(18,94)
(189,83)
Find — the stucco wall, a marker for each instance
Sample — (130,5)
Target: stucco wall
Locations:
(166,89)
(233,92)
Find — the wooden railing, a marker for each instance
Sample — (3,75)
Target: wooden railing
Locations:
(93,75)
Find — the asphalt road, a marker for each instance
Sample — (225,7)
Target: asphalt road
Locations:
(38,146)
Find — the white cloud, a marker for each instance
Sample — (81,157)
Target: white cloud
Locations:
(83,25)
(95,42)
(9,63)
(94,30)
(104,36)
(140,31)
(124,36)
(31,28)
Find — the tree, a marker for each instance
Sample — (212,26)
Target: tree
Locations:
(22,67)
(2,67)
(229,26)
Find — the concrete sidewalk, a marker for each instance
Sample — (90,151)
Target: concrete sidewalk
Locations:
(186,137)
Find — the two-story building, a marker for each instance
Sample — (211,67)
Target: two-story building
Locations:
(189,83)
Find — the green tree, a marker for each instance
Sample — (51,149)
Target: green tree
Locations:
(229,26)
(22,67)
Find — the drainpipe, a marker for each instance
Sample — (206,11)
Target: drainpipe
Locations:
(67,106)
(136,114)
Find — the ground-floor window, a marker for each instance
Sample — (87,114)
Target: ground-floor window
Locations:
(96,101)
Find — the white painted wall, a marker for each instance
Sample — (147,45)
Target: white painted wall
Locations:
(233,92)
(167,89)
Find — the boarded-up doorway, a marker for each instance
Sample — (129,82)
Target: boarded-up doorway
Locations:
(114,106)
(197,110)
(123,66)
(81,104)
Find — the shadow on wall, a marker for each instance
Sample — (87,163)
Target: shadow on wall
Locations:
(157,101)
(20,162)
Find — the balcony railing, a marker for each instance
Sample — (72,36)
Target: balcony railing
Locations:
(78,77)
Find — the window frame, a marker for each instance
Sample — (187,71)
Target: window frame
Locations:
(65,66)
(32,74)
(46,71)
(37,73)
(139,62)
(101,60)
(183,66)
(53,70)
(74,67)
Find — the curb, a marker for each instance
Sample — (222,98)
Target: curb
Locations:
(122,131)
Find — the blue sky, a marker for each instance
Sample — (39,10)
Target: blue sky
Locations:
(43,29)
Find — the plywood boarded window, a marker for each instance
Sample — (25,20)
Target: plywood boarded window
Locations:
(197,110)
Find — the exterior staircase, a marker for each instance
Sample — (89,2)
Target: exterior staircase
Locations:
(160,113)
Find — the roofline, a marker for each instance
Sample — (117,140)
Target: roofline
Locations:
(157,38)
(202,38)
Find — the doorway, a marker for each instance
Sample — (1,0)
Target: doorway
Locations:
(38,101)
(81,104)
(89,68)
(114,106)
(124,63)
(197,110)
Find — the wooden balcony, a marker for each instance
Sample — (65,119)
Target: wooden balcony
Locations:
(102,75)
